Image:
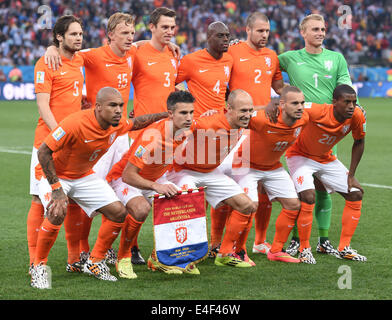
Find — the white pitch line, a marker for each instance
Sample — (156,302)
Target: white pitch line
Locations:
(4,150)
(376,186)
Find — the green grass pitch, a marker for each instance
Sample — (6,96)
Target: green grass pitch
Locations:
(267,281)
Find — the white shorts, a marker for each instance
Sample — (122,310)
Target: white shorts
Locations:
(219,186)
(33,181)
(333,175)
(125,192)
(112,156)
(90,193)
(226,166)
(277,183)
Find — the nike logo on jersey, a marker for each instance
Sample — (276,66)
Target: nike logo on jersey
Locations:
(243,59)
(87,141)
(151,63)
(63,73)
(300,63)
(268,131)
(201,71)
(109,64)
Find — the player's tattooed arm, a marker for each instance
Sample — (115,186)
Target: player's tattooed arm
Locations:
(46,160)
(143,121)
(57,207)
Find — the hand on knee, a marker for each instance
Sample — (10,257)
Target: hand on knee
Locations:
(308,196)
(354,196)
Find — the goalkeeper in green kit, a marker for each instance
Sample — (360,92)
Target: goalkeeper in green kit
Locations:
(317,72)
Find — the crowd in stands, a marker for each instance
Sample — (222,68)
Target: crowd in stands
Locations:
(25,25)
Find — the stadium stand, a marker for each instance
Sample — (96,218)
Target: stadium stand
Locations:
(25,27)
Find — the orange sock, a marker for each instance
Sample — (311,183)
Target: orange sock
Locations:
(134,240)
(283,226)
(129,232)
(108,232)
(72,227)
(35,217)
(350,219)
(240,244)
(235,226)
(47,236)
(304,224)
(85,232)
(262,218)
(218,218)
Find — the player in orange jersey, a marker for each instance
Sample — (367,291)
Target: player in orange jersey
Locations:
(212,139)
(109,65)
(67,157)
(59,93)
(141,172)
(155,67)
(256,67)
(255,70)
(312,155)
(207,71)
(265,167)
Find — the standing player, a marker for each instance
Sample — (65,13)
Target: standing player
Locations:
(312,155)
(255,70)
(67,157)
(316,71)
(212,140)
(207,71)
(155,70)
(155,67)
(141,173)
(59,93)
(109,65)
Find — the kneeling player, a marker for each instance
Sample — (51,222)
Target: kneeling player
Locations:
(141,173)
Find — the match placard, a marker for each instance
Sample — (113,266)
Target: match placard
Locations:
(180,228)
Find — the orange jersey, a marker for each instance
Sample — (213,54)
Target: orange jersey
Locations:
(152,152)
(105,69)
(154,77)
(324,131)
(268,141)
(79,142)
(207,79)
(65,87)
(254,71)
(211,141)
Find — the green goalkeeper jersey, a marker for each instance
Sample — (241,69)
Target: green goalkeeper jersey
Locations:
(317,75)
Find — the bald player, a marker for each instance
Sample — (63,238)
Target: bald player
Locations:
(66,158)
(207,71)
(255,70)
